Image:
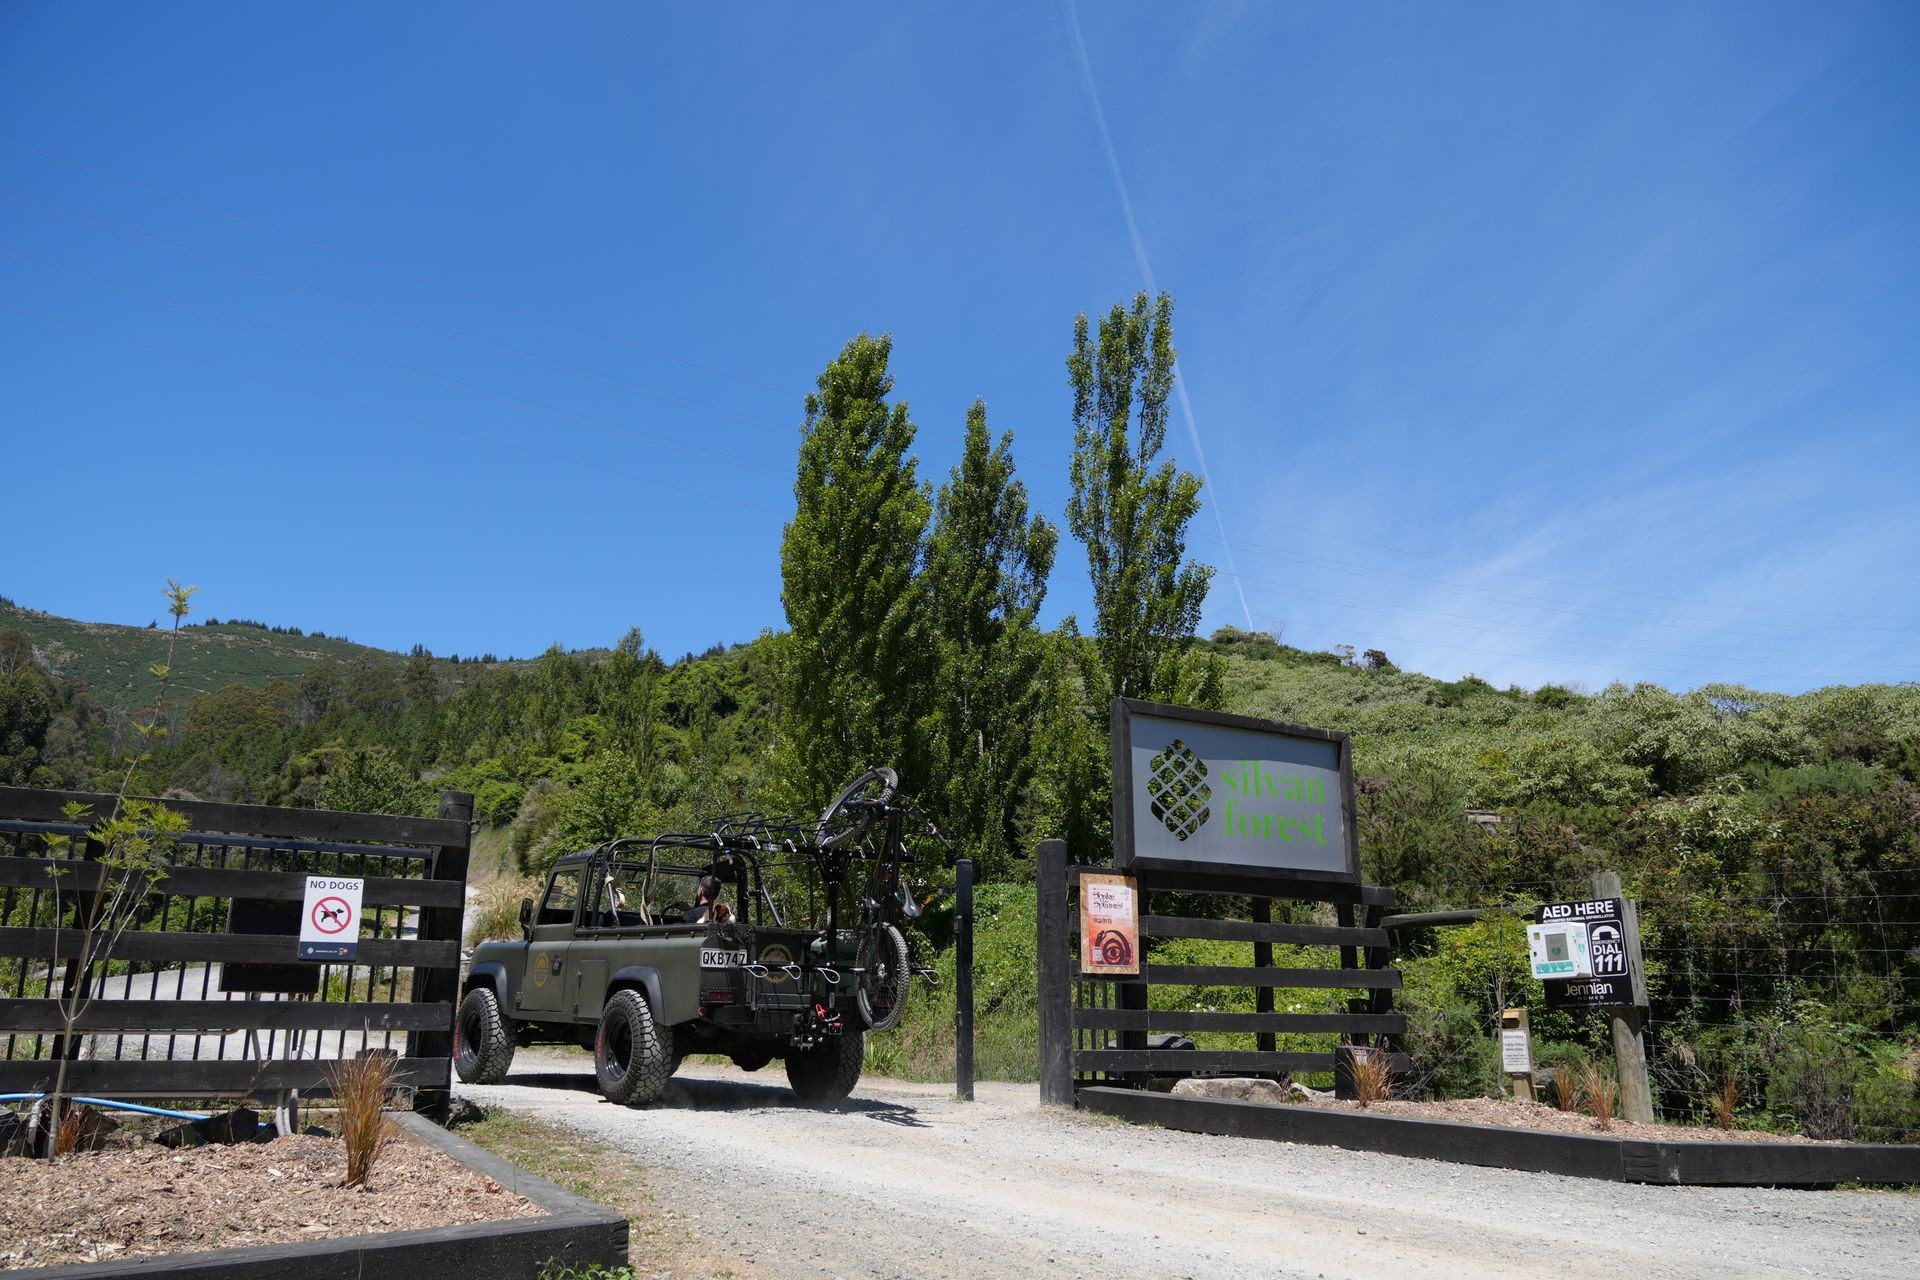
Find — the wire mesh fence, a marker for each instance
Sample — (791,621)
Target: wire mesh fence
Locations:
(1782,1002)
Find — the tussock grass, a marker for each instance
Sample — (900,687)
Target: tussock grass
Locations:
(360,1089)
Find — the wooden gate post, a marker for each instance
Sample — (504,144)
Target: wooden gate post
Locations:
(435,1100)
(1629,1045)
(1052,950)
(963,979)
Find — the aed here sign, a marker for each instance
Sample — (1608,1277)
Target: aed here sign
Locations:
(330,918)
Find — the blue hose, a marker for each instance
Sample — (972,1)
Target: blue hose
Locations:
(109,1105)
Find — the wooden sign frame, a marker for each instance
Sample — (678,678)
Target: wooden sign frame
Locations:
(1342,868)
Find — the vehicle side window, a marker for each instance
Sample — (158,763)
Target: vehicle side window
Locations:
(562,894)
(613,899)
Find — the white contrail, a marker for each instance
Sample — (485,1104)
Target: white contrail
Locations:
(1146,274)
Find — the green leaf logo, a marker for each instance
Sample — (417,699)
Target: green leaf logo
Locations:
(1177,789)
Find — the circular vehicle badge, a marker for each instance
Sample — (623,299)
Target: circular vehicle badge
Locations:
(775,957)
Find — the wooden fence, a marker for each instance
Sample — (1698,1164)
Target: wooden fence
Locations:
(1094,1029)
(204,999)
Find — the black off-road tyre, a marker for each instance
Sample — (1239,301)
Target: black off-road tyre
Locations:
(630,1060)
(482,1039)
(828,1071)
(884,975)
(839,823)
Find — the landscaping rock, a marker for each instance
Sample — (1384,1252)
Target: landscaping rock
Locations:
(1232,1089)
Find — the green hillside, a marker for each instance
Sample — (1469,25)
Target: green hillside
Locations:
(1774,840)
(114,661)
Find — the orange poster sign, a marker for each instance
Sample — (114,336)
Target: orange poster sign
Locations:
(1109,924)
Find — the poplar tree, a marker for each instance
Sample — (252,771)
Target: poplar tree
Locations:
(984,578)
(1129,510)
(853,679)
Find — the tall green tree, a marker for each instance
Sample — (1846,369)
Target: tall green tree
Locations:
(852,678)
(1130,508)
(983,580)
(630,698)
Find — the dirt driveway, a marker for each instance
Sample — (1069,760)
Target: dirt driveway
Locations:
(901,1180)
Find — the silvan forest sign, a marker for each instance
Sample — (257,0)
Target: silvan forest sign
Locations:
(1207,790)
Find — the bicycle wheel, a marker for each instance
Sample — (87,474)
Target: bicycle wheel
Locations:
(841,821)
(884,974)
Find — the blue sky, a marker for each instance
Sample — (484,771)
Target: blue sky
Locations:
(1544,343)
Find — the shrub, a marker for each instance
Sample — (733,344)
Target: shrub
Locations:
(1452,1054)
(1372,1071)
(1726,1096)
(1566,1087)
(495,914)
(1601,1088)
(1006,1033)
(360,1088)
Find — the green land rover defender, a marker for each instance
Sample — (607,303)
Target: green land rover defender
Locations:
(611,961)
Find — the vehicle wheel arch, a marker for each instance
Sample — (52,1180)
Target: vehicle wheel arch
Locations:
(488,973)
(643,978)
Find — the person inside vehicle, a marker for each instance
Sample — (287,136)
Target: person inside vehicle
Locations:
(707,904)
(613,906)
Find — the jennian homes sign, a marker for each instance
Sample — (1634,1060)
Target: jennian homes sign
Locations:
(1204,790)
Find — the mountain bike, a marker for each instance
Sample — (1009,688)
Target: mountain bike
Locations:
(869,819)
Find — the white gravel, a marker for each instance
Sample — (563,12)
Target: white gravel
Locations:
(903,1181)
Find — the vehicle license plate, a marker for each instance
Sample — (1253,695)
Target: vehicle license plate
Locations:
(721,958)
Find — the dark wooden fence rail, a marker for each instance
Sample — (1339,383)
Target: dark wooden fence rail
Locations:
(1094,1028)
(160,1007)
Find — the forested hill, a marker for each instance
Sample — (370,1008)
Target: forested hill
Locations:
(573,747)
(114,662)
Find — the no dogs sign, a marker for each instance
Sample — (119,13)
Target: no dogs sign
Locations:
(330,918)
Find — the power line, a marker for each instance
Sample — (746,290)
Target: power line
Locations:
(1562,582)
(1493,595)
(1582,639)
(1607,612)
(401,415)
(675,397)
(1087,82)
(293,335)
(1712,677)
(324,246)
(351,300)
(288,282)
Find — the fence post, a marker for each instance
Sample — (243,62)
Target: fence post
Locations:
(1051,949)
(963,979)
(1263,959)
(434,986)
(1629,1045)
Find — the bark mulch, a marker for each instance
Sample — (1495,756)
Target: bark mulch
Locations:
(108,1205)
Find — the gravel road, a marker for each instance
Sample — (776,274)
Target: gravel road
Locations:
(903,1181)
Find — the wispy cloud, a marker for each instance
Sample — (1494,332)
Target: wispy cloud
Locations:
(1141,260)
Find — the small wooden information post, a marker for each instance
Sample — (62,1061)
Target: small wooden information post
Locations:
(1516,1052)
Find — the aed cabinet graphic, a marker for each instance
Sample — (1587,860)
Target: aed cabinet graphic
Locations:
(1559,949)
